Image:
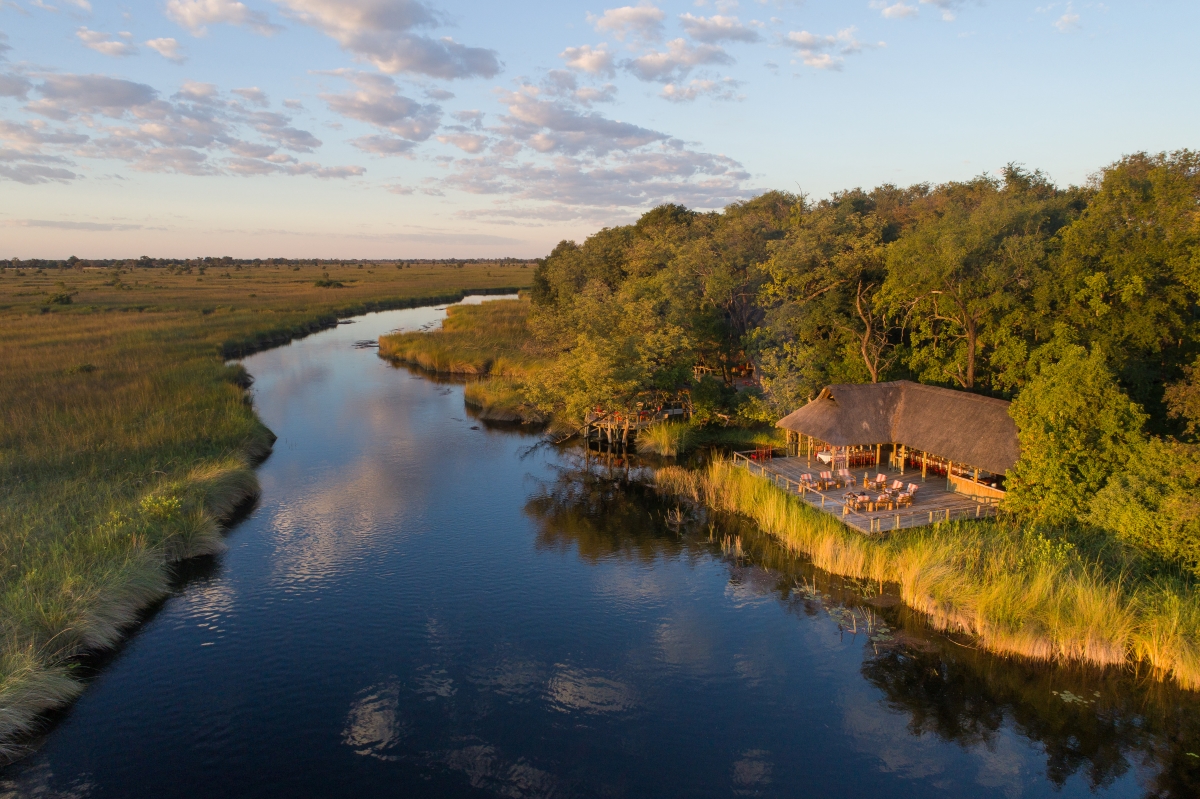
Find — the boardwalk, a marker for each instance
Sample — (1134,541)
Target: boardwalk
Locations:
(934,501)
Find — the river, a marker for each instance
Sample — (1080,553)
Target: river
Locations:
(420,605)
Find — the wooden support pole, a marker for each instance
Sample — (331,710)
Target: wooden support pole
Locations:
(924,464)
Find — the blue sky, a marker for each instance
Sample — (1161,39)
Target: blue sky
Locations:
(445,128)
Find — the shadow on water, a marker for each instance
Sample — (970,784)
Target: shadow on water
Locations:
(1097,724)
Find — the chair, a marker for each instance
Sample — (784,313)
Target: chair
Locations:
(912,489)
(882,502)
(845,476)
(828,482)
(897,485)
(904,500)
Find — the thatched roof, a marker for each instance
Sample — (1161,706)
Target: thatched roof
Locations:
(962,427)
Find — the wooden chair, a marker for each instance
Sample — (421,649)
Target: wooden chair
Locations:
(845,476)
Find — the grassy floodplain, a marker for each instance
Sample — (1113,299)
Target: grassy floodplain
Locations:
(491,341)
(1013,590)
(126,440)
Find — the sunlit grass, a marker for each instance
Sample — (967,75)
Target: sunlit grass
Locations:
(490,340)
(125,441)
(1014,590)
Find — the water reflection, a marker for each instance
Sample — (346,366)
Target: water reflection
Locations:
(373,725)
(1098,725)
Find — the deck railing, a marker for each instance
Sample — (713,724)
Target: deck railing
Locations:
(892,520)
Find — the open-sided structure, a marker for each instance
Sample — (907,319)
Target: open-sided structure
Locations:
(969,439)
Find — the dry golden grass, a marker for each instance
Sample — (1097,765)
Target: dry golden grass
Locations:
(1000,584)
(125,441)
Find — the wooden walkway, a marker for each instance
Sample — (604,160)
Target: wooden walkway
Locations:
(934,501)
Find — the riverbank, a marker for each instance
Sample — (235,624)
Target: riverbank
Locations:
(126,442)
(1014,591)
(490,341)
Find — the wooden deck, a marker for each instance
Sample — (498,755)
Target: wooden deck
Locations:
(935,501)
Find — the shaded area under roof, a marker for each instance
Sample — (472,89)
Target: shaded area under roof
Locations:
(956,425)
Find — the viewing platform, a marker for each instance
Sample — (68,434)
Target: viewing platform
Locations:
(935,500)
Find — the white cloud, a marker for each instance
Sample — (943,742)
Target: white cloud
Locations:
(168,48)
(898,10)
(717,29)
(638,22)
(556,126)
(253,95)
(104,43)
(826,52)
(947,7)
(717,90)
(676,61)
(197,15)
(648,177)
(66,96)
(380,32)
(384,145)
(376,102)
(593,60)
(1068,22)
(560,83)
(197,131)
(467,142)
(14,86)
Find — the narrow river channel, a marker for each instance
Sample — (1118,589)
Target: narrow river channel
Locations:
(421,605)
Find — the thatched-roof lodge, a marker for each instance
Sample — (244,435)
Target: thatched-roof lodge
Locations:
(968,438)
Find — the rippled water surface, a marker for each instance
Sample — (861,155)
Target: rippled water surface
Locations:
(423,606)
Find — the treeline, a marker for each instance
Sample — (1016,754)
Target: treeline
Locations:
(1079,303)
(147,262)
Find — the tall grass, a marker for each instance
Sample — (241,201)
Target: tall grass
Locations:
(668,439)
(491,340)
(487,339)
(126,442)
(1012,589)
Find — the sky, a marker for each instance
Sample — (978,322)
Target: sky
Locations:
(449,128)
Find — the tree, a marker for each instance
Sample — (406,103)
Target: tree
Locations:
(1128,277)
(823,281)
(1076,428)
(959,278)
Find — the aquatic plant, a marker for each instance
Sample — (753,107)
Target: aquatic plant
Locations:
(988,579)
(667,439)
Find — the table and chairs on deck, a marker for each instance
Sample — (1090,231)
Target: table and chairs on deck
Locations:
(897,495)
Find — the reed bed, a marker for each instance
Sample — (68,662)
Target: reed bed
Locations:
(487,339)
(126,443)
(1015,591)
(668,439)
(491,341)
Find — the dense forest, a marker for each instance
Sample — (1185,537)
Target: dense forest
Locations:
(1080,304)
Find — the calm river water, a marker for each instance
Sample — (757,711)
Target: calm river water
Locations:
(423,606)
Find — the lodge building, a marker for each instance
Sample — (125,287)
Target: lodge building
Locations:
(968,439)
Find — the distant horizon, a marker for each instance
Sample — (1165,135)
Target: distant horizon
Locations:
(313,128)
